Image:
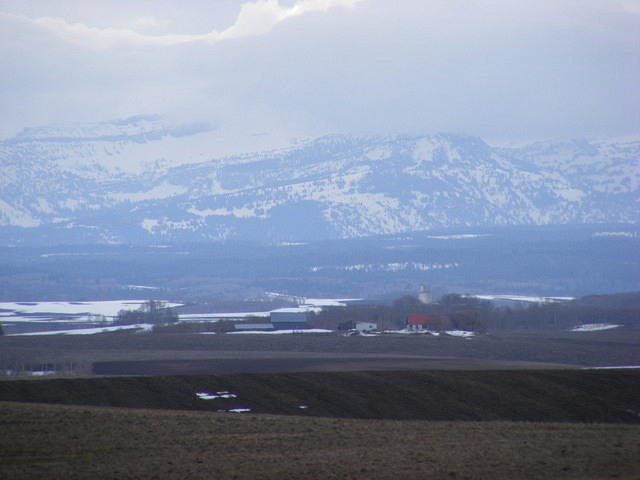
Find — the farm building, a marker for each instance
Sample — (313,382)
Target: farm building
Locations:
(366,326)
(289,320)
(433,321)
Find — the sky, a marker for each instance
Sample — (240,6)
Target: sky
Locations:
(504,70)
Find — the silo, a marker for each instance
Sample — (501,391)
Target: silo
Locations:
(424,294)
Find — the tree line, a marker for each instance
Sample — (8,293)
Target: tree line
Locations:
(155,312)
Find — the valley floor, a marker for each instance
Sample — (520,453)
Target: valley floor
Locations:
(125,353)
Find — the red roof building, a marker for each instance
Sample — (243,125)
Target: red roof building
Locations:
(431,321)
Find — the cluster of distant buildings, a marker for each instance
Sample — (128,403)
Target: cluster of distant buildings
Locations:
(293,319)
(415,323)
(298,321)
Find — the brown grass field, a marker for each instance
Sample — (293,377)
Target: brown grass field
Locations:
(78,442)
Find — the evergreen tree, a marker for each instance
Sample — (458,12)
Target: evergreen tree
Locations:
(153,311)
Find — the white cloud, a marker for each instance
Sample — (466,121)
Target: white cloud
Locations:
(255,18)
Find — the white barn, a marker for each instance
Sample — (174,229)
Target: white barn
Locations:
(366,326)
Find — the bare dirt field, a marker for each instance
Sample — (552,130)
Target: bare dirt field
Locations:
(65,442)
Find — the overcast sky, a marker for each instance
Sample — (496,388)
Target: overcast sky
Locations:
(505,70)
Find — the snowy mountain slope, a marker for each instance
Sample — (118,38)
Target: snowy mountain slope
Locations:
(102,150)
(142,180)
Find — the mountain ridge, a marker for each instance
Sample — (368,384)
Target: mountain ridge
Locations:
(143,180)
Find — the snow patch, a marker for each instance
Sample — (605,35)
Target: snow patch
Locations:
(242,212)
(388,267)
(15,217)
(280,332)
(213,396)
(611,367)
(141,287)
(616,234)
(149,224)
(329,302)
(459,236)
(42,373)
(523,298)
(210,317)
(143,327)
(570,194)
(43,206)
(410,331)
(159,192)
(48,255)
(379,153)
(460,333)
(305,305)
(594,327)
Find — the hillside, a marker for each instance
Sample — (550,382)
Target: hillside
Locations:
(522,395)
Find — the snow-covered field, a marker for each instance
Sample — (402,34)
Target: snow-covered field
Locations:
(42,316)
(143,327)
(80,318)
(594,327)
(34,319)
(108,308)
(306,305)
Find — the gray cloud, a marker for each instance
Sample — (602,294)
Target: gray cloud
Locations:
(495,68)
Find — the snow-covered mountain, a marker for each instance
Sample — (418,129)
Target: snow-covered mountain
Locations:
(142,180)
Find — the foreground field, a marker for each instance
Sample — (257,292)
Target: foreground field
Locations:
(440,424)
(64,442)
